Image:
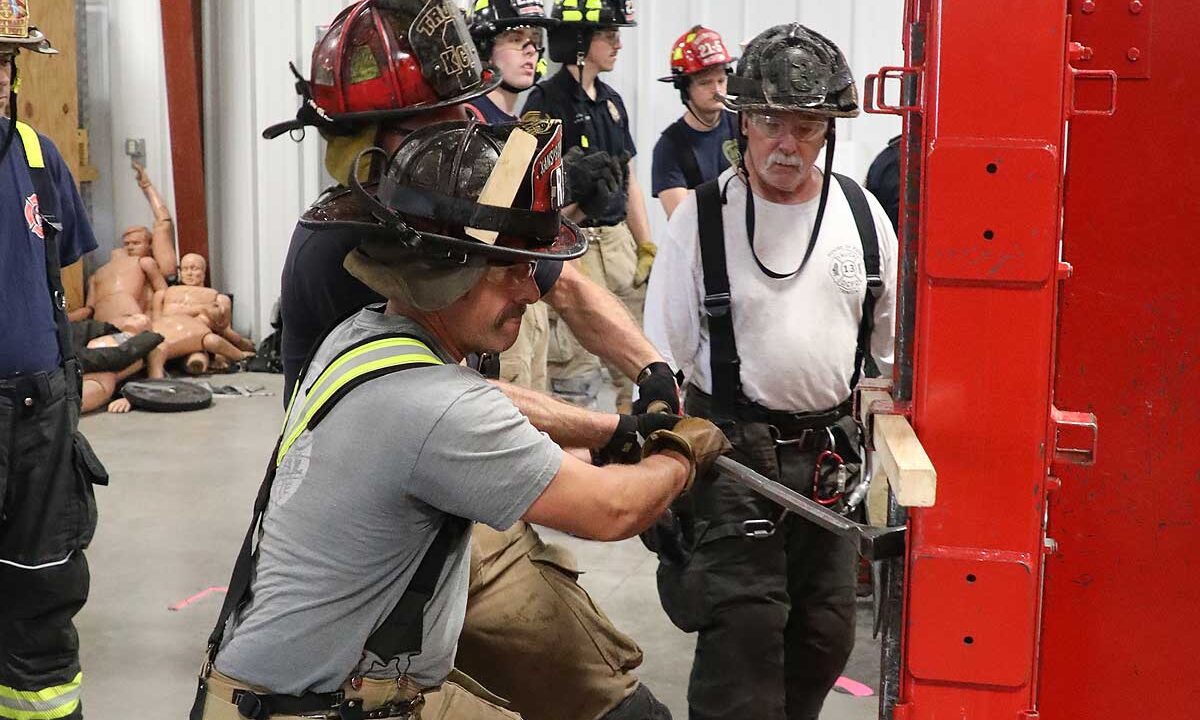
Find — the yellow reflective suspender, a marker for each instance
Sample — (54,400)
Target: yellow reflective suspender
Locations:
(33,147)
(353,365)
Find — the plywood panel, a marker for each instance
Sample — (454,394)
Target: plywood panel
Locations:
(49,101)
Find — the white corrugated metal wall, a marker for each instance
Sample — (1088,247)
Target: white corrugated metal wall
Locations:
(257,188)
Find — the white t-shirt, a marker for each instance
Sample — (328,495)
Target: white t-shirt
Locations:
(796,336)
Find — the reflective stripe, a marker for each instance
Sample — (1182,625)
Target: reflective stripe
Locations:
(57,701)
(327,375)
(372,356)
(43,566)
(594,4)
(481,5)
(33,147)
(593,15)
(572,16)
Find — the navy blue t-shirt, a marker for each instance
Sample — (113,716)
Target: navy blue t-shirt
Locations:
(28,335)
(599,124)
(713,150)
(491,112)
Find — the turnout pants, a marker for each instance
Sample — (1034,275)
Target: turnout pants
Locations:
(774,613)
(534,636)
(611,261)
(47,517)
(524,363)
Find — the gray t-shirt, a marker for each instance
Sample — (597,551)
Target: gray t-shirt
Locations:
(358,501)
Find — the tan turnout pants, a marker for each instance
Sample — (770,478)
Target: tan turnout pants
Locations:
(524,363)
(534,636)
(611,261)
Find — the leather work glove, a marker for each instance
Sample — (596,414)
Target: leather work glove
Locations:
(645,260)
(592,179)
(658,386)
(624,446)
(697,439)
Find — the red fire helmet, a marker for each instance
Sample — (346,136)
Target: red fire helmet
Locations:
(387,60)
(697,49)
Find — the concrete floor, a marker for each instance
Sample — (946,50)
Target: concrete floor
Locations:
(175,514)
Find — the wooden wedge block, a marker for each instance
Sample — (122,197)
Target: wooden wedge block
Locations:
(900,455)
(502,185)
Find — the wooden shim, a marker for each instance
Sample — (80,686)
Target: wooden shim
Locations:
(899,454)
(866,398)
(505,179)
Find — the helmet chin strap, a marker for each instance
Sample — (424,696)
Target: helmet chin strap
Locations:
(830,141)
(12,111)
(692,110)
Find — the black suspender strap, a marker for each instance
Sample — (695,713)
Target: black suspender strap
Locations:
(724,363)
(400,632)
(48,207)
(677,134)
(863,362)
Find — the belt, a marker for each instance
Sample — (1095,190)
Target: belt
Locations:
(787,425)
(358,699)
(27,391)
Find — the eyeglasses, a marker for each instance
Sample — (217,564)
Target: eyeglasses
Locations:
(804,130)
(529,47)
(522,40)
(610,36)
(509,275)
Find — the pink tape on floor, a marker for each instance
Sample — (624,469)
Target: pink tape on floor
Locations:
(853,687)
(188,601)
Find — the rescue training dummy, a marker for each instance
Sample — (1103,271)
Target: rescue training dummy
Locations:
(196,320)
(123,288)
(108,356)
(335,612)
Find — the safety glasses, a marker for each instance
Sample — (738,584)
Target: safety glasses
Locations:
(803,129)
(509,275)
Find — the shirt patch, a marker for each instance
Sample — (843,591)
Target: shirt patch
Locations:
(614,112)
(732,152)
(33,217)
(846,269)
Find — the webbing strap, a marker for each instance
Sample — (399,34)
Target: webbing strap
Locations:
(723,355)
(865,222)
(365,358)
(33,146)
(684,154)
(47,205)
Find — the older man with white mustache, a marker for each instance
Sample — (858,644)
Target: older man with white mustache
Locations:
(773,292)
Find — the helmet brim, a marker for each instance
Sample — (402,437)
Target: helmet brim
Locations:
(36,41)
(376,116)
(740,104)
(343,211)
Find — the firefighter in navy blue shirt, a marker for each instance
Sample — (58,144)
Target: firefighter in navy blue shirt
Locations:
(47,510)
(586,39)
(702,143)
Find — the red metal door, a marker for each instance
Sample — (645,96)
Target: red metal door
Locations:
(1119,634)
(986,282)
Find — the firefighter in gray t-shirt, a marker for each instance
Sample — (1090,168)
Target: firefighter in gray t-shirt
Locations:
(356,593)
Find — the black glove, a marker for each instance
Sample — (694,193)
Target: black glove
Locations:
(656,383)
(625,445)
(592,179)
